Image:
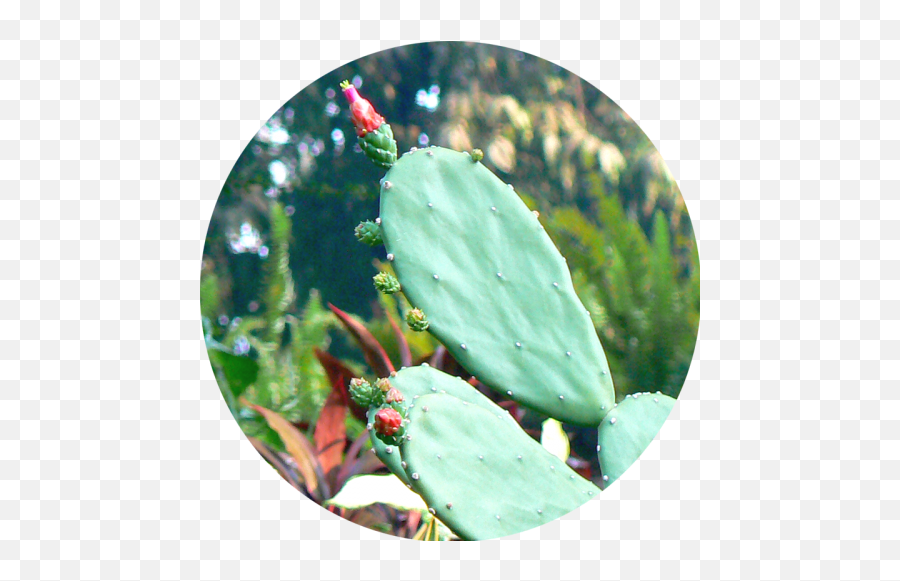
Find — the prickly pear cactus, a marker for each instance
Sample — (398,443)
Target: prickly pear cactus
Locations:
(482,475)
(628,429)
(414,382)
(496,291)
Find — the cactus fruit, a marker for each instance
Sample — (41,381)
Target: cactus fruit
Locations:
(374,135)
(380,147)
(387,421)
(628,429)
(416,320)
(481,473)
(365,394)
(497,292)
(386,283)
(369,233)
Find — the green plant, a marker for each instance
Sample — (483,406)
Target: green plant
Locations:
(643,292)
(499,296)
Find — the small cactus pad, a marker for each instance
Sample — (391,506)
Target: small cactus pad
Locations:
(368,233)
(416,320)
(386,283)
(415,382)
(628,429)
(482,474)
(497,291)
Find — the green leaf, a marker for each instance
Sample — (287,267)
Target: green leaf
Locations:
(368,489)
(239,371)
(554,439)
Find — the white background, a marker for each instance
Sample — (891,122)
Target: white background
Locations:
(119,124)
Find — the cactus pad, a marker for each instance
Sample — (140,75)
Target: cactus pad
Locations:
(628,429)
(497,291)
(482,475)
(414,382)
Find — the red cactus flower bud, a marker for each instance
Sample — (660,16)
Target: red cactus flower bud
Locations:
(362,114)
(387,421)
(393,395)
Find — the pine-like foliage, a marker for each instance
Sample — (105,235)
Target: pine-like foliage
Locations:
(644,302)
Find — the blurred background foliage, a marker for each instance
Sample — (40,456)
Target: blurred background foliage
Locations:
(280,243)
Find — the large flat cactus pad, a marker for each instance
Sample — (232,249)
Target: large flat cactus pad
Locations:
(494,287)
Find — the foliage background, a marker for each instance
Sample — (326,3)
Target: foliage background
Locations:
(280,243)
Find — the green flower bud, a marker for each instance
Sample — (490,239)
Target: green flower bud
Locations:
(386,283)
(416,320)
(369,232)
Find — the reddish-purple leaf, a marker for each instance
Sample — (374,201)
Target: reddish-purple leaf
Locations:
(299,447)
(372,349)
(402,343)
(331,434)
(340,375)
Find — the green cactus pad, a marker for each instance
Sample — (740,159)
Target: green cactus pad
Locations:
(482,475)
(369,233)
(497,291)
(414,382)
(628,429)
(379,146)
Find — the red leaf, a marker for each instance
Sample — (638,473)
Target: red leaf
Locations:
(372,349)
(340,375)
(402,344)
(330,435)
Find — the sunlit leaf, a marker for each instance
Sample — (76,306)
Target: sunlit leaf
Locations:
(299,447)
(368,489)
(554,439)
